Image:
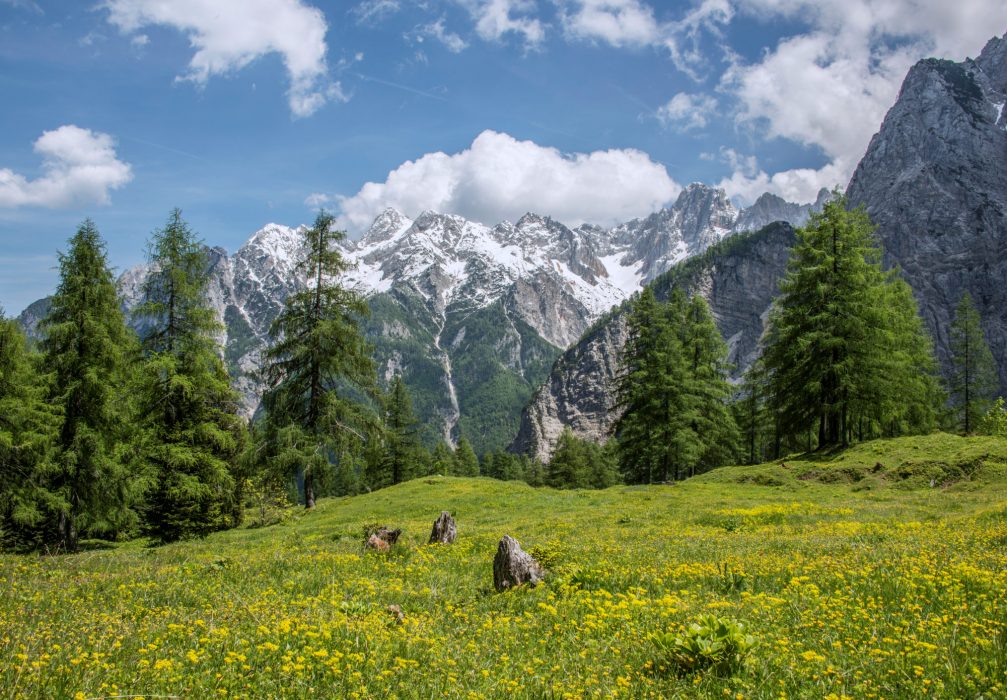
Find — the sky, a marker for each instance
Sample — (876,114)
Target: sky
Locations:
(246,112)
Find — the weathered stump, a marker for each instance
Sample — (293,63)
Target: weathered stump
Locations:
(382,539)
(514,567)
(444,530)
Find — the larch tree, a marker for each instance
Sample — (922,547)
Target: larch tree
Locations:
(192,434)
(27,432)
(845,354)
(973,379)
(89,351)
(318,356)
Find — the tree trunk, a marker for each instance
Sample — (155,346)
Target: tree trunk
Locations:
(444,530)
(514,567)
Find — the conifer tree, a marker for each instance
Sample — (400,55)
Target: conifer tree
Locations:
(466,462)
(192,433)
(442,461)
(402,445)
(27,431)
(845,354)
(318,355)
(89,351)
(709,393)
(973,378)
(673,392)
(579,463)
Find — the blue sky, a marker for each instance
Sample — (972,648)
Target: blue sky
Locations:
(243,112)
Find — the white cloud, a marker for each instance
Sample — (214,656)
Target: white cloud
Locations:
(632,23)
(685,111)
(452,42)
(229,34)
(830,87)
(797,185)
(496,18)
(140,40)
(80,167)
(372,11)
(616,22)
(499,177)
(318,200)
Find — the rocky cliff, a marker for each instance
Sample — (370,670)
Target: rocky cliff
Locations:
(934,180)
(738,278)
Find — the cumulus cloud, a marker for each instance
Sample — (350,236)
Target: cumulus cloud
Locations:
(80,166)
(495,19)
(684,111)
(616,22)
(229,34)
(632,23)
(830,87)
(499,177)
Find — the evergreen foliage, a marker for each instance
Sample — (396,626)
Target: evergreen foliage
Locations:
(89,351)
(192,434)
(845,355)
(673,392)
(27,432)
(466,462)
(581,464)
(318,353)
(442,460)
(973,379)
(404,456)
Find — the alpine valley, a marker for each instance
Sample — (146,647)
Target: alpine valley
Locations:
(472,316)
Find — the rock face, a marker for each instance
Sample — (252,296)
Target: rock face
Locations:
(934,180)
(512,566)
(737,277)
(471,316)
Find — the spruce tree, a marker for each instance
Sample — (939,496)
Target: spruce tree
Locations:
(318,355)
(442,461)
(845,354)
(192,434)
(708,391)
(466,462)
(89,351)
(673,392)
(402,445)
(973,378)
(27,432)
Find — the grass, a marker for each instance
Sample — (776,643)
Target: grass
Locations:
(875,573)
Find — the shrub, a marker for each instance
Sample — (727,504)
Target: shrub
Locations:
(709,644)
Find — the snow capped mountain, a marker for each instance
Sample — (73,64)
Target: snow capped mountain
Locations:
(471,315)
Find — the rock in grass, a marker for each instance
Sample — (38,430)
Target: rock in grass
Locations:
(444,530)
(382,539)
(514,567)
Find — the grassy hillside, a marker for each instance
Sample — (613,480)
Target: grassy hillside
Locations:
(877,573)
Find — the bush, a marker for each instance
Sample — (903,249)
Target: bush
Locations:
(995,420)
(709,644)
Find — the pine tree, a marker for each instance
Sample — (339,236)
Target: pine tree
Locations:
(973,379)
(442,460)
(27,432)
(402,445)
(89,350)
(845,354)
(466,462)
(192,433)
(318,353)
(579,463)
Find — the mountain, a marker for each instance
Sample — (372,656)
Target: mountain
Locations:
(738,278)
(472,316)
(934,180)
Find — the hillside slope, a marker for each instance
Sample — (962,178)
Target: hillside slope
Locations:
(823,575)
